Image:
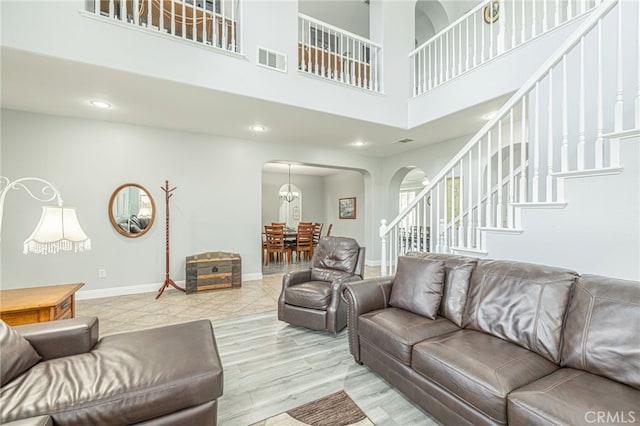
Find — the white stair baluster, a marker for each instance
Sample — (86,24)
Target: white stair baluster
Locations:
(475,41)
(499,180)
(581,109)
(544,16)
(460,236)
(468,49)
(470,201)
(136,12)
(482,45)
(614,144)
(460,50)
(123,11)
(523,35)
(233,24)
(183,18)
(511,170)
(502,30)
(556,14)
(569,9)
(513,23)
(533,19)
(479,194)
(524,148)
(564,150)
(535,180)
(599,147)
(194,27)
(112,9)
(488,222)
(437,232)
(430,73)
(161,16)
(446,56)
(549,175)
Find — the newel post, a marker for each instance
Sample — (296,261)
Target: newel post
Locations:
(383,251)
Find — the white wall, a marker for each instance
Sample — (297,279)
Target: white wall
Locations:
(345,184)
(52,27)
(352,15)
(312,194)
(597,233)
(217,204)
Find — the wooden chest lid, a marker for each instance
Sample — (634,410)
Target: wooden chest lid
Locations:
(212,256)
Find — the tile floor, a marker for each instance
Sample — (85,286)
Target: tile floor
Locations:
(138,311)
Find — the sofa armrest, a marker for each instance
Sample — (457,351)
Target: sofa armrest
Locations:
(55,339)
(362,297)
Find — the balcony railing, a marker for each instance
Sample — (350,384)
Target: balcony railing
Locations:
(485,32)
(207,22)
(338,55)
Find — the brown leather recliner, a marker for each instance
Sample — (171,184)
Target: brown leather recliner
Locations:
(312,298)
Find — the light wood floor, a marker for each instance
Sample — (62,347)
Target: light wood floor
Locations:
(269,366)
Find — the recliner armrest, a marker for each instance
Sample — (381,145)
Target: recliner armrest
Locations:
(55,339)
(362,297)
(296,277)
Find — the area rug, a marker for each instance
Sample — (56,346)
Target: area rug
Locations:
(337,409)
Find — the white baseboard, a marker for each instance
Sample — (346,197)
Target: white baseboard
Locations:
(369,262)
(142,288)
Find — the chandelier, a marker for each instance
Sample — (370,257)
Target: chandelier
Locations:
(289,195)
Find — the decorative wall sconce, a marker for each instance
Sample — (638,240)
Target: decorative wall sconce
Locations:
(58,228)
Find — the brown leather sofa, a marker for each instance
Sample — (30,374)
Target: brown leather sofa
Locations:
(60,373)
(509,342)
(312,298)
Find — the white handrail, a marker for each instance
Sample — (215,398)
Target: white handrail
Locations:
(339,30)
(553,60)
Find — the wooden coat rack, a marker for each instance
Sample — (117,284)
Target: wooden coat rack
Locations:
(167,280)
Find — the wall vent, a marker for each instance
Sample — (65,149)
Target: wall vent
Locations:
(405,140)
(272,59)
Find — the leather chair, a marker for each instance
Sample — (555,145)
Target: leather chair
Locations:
(312,298)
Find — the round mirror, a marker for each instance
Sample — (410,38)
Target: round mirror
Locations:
(131,210)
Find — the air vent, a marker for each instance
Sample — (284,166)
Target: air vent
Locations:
(405,140)
(271,59)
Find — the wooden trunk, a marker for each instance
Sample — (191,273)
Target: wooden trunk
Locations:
(213,270)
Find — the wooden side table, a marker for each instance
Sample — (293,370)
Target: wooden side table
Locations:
(38,304)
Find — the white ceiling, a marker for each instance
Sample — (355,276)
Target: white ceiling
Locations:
(51,85)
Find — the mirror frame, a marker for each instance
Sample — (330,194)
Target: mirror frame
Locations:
(114,223)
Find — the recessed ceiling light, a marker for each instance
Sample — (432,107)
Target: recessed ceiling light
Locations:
(489,115)
(358,143)
(258,128)
(100,104)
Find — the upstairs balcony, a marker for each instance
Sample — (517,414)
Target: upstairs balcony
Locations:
(209,22)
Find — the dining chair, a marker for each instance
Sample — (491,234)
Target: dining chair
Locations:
(317,233)
(304,241)
(275,244)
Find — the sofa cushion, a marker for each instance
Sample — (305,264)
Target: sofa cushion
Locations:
(520,302)
(130,377)
(602,330)
(457,274)
(572,397)
(417,286)
(16,354)
(311,294)
(479,369)
(395,331)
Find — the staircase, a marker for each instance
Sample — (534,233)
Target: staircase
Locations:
(567,121)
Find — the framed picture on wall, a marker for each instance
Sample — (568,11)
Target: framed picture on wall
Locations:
(347,208)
